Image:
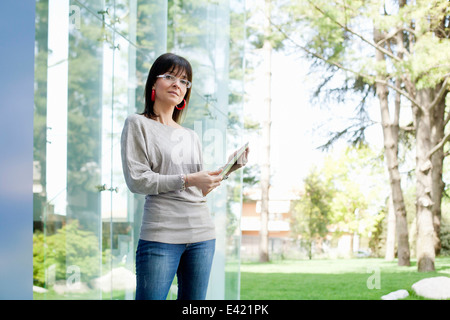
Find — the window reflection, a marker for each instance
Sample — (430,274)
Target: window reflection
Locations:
(90,74)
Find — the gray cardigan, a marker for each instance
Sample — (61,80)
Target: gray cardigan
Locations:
(154,157)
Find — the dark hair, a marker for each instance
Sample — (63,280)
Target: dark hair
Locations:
(168,62)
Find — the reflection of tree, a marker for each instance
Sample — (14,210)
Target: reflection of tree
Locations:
(40,101)
(149,43)
(70,245)
(73,244)
(199,30)
(84,104)
(89,95)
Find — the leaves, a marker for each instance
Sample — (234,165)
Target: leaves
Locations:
(340,33)
(70,245)
(310,213)
(431,61)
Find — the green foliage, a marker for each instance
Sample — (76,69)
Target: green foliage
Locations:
(357,176)
(310,214)
(336,32)
(445,239)
(377,240)
(346,195)
(256,35)
(251,175)
(70,245)
(317,27)
(38,259)
(445,228)
(338,38)
(430,61)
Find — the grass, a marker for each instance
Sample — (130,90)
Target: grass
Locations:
(332,279)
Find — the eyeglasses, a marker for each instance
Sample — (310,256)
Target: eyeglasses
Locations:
(168,77)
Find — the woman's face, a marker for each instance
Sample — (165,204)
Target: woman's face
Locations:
(170,91)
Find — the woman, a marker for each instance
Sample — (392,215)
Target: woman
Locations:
(163,160)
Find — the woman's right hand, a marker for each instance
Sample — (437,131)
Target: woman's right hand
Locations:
(206,181)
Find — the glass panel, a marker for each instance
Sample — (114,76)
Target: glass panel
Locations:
(235,139)
(84,158)
(200,31)
(67,160)
(92,6)
(91,71)
(105,187)
(131,63)
(118,235)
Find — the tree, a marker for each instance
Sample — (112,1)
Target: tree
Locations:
(390,237)
(310,214)
(265,164)
(420,31)
(262,40)
(70,245)
(330,45)
(356,175)
(411,46)
(391,140)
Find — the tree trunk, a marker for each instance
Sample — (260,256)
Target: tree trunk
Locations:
(390,238)
(424,202)
(310,249)
(390,135)
(265,167)
(437,160)
(429,165)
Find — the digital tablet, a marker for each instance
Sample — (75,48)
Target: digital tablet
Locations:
(232,161)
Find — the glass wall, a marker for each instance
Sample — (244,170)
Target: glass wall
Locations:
(91,63)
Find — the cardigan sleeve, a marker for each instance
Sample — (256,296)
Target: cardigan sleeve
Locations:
(139,177)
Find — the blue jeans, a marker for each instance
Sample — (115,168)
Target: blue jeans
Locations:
(157,263)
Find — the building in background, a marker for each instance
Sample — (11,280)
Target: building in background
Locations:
(91,62)
(285,244)
(279,224)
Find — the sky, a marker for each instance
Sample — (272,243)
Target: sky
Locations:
(298,126)
(292,146)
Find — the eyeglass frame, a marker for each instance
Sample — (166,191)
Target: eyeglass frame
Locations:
(166,75)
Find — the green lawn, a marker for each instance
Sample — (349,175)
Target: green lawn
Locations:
(331,279)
